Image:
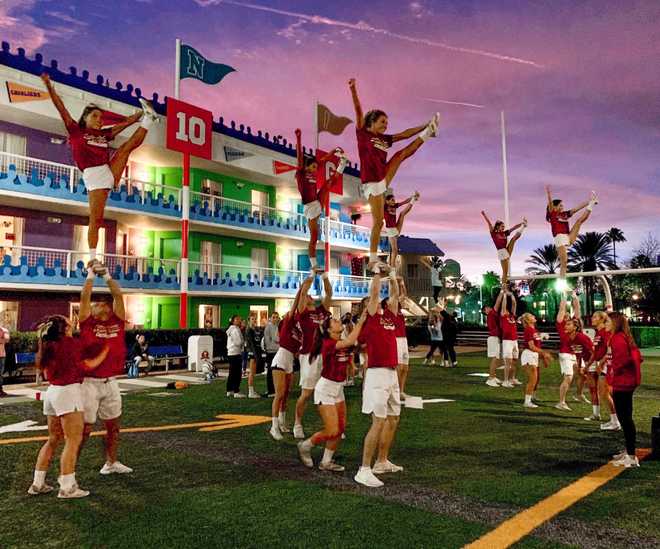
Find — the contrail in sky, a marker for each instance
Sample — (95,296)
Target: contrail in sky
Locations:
(454,103)
(366,27)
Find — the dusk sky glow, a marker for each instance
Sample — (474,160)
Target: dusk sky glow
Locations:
(579,83)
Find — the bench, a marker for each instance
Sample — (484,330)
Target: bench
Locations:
(23,361)
(167,354)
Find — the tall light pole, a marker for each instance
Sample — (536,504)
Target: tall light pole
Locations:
(505,173)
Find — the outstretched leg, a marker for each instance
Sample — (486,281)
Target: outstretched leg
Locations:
(575,230)
(563,261)
(376,204)
(97,199)
(395,162)
(120,158)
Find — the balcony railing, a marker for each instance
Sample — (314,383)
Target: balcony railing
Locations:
(35,265)
(61,181)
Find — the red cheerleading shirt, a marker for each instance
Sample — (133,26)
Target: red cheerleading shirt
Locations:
(509,328)
(378,333)
(500,238)
(335,361)
(372,148)
(601,341)
(582,346)
(400,325)
(309,321)
(532,334)
(564,340)
(306,186)
(290,335)
(492,320)
(623,371)
(89,147)
(559,222)
(62,361)
(390,215)
(112,333)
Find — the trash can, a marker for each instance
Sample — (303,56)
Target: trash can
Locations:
(200,349)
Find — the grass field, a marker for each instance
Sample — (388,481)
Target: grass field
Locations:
(469,465)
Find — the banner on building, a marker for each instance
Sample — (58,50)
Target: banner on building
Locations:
(280,167)
(232,154)
(19,93)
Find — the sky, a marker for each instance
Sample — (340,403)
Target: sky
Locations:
(578,82)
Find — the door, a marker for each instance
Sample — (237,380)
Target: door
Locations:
(210,254)
(208,316)
(259,262)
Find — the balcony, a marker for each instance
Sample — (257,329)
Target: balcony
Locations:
(32,268)
(60,185)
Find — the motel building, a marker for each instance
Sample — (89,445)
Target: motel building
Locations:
(247,238)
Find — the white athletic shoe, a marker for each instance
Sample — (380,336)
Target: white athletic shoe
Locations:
(426,361)
(626,462)
(592,417)
(331,466)
(74,492)
(276,433)
(230,394)
(609,426)
(380,267)
(530,405)
(403,396)
(432,363)
(432,126)
(367,478)
(35,490)
(574,398)
(254,395)
(239,395)
(594,198)
(516,381)
(116,467)
(562,406)
(415,197)
(148,109)
(305,455)
(284,428)
(585,399)
(493,382)
(298,431)
(620,455)
(380,468)
(507,385)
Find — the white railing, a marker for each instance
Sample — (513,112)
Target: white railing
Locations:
(25,165)
(348,229)
(136,187)
(259,212)
(68,260)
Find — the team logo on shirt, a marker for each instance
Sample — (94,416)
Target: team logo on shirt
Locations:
(386,323)
(96,140)
(106,332)
(379,144)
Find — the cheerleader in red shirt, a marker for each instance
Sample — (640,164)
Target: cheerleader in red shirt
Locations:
(90,146)
(563,234)
(394,224)
(335,353)
(376,171)
(314,200)
(530,356)
(60,357)
(598,321)
(500,236)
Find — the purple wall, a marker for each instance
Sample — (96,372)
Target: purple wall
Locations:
(40,233)
(39,145)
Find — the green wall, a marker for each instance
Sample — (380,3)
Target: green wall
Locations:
(228,307)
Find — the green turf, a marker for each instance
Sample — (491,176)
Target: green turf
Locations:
(237,488)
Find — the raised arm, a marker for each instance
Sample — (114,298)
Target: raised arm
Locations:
(503,308)
(549,196)
(407,134)
(91,363)
(86,299)
(488,221)
(117,298)
(359,115)
(498,302)
(352,338)
(327,289)
(561,314)
(514,304)
(304,288)
(577,312)
(393,299)
(121,126)
(374,295)
(57,101)
(300,157)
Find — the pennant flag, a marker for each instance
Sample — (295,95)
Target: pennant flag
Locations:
(109,118)
(232,154)
(195,65)
(281,167)
(18,93)
(327,167)
(328,122)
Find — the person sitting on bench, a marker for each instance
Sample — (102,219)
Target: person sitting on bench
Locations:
(140,352)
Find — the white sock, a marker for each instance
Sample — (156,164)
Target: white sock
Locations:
(596,409)
(146,121)
(614,419)
(365,469)
(297,423)
(528,399)
(67,481)
(276,424)
(282,418)
(39,478)
(327,456)
(307,444)
(373,257)
(590,206)
(92,253)
(251,390)
(312,262)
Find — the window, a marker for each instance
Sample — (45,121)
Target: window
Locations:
(259,200)
(209,186)
(209,316)
(210,254)
(259,261)
(9,315)
(262,313)
(12,144)
(413,270)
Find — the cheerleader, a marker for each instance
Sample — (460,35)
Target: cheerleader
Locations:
(500,236)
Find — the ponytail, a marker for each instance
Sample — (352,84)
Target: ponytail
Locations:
(322,333)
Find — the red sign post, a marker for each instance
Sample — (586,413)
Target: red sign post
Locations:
(189,131)
(327,167)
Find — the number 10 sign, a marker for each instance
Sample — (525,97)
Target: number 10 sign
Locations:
(189,129)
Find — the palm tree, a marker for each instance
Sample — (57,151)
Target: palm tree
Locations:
(543,260)
(615,235)
(591,251)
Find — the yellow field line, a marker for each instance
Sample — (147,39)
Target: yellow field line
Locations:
(520,525)
(228,421)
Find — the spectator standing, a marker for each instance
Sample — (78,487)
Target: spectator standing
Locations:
(437,343)
(449,329)
(4,339)
(271,344)
(235,346)
(253,349)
